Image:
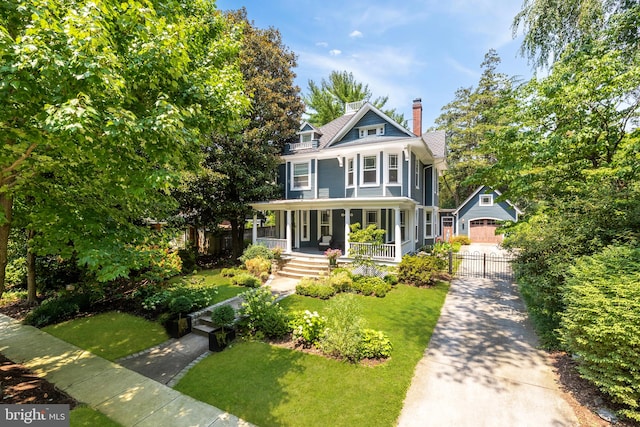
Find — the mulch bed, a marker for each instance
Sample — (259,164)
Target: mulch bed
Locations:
(20,385)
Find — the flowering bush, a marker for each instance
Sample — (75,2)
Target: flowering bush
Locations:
(263,315)
(307,327)
(333,254)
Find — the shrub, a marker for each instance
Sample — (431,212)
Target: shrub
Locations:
(365,285)
(180,304)
(381,289)
(391,279)
(263,315)
(461,240)
(341,281)
(420,270)
(223,316)
(307,327)
(246,279)
(55,310)
(255,251)
(343,332)
(600,323)
(315,288)
(258,266)
(230,272)
(374,345)
(188,256)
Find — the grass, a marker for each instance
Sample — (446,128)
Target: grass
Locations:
(225,289)
(110,335)
(84,416)
(267,385)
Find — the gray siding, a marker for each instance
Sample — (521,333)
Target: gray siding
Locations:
(428,187)
(331,179)
(394,191)
(370,119)
(472,210)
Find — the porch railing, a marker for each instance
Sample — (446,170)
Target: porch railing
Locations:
(385,252)
(272,243)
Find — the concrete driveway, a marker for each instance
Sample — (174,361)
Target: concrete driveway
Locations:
(482,367)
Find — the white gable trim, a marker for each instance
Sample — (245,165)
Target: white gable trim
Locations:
(356,118)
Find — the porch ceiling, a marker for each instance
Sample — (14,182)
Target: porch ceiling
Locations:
(342,203)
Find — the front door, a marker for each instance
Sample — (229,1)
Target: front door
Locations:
(447,228)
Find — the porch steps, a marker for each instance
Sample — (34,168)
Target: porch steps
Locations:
(299,266)
(201,320)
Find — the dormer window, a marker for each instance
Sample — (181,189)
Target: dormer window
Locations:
(306,136)
(375,130)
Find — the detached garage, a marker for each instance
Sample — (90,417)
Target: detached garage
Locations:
(480,215)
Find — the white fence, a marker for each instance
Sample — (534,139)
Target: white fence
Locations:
(381,252)
(272,243)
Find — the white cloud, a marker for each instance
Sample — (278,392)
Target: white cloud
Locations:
(453,63)
(322,44)
(355,34)
(335,52)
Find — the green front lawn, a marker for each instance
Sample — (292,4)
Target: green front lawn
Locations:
(110,335)
(267,385)
(84,416)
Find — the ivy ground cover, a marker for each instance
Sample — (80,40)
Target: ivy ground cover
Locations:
(268,385)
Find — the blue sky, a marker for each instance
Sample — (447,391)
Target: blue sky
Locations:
(404,49)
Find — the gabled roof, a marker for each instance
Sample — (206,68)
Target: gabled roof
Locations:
(353,119)
(436,141)
(306,126)
(475,193)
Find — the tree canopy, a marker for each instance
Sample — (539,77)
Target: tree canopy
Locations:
(468,121)
(240,167)
(326,102)
(102,105)
(550,26)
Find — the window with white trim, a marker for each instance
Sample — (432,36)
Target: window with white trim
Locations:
(375,130)
(417,174)
(370,170)
(417,221)
(350,163)
(392,169)
(306,136)
(300,172)
(403,228)
(486,200)
(428,224)
(325,222)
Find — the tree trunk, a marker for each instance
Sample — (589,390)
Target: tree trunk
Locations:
(31,269)
(6,204)
(237,237)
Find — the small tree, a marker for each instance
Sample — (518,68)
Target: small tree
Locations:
(362,255)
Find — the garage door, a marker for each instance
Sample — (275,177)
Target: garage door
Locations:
(484,231)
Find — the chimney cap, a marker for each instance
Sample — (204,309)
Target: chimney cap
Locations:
(416,100)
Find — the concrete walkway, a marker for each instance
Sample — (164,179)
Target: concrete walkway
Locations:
(123,395)
(168,362)
(482,367)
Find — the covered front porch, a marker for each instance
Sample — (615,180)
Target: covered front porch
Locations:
(311,227)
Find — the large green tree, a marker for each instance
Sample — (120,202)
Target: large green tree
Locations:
(102,104)
(572,151)
(550,26)
(469,120)
(326,102)
(240,166)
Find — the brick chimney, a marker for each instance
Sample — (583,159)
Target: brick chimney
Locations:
(417,116)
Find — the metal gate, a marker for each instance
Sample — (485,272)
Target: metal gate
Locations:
(478,264)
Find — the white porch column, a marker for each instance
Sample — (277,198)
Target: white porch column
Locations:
(398,235)
(254,231)
(288,232)
(347,229)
